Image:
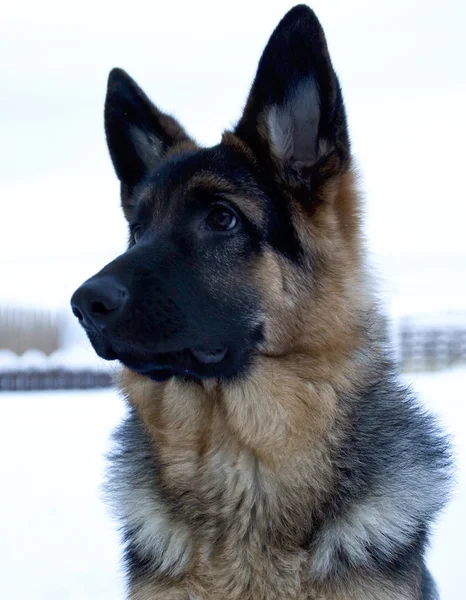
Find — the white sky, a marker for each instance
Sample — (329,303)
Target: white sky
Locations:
(401,65)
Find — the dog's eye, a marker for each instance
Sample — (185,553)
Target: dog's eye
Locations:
(136,232)
(221,218)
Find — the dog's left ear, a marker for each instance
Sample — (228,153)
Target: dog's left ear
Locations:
(294,119)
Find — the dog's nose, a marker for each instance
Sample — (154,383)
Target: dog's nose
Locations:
(99,301)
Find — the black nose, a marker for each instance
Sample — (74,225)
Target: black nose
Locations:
(99,302)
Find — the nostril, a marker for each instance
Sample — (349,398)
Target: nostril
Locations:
(99,309)
(99,301)
(77,313)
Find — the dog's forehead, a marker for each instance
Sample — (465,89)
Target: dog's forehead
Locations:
(209,173)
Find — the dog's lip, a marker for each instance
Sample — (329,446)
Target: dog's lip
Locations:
(162,360)
(161,367)
(145,361)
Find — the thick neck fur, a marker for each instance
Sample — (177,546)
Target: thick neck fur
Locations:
(248,467)
(259,446)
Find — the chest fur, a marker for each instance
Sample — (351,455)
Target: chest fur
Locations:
(214,526)
(202,501)
(228,495)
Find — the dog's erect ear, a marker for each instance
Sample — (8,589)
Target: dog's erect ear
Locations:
(294,119)
(138,134)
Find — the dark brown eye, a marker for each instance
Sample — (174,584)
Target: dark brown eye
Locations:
(221,218)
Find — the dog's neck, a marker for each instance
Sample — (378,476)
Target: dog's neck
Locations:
(246,437)
(278,402)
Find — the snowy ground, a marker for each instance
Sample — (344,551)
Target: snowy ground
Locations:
(57,540)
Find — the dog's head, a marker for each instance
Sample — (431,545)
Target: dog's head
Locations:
(227,244)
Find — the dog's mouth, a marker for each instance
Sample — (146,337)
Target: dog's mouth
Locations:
(195,362)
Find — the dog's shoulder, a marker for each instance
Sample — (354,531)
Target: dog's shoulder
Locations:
(395,475)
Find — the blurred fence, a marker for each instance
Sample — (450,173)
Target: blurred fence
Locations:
(421,345)
(430,347)
(22,329)
(53,379)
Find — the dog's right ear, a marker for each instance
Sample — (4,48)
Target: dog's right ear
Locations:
(138,134)
(294,119)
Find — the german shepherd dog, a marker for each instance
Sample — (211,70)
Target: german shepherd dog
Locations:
(270,451)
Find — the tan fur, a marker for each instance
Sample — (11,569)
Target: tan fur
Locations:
(148,590)
(153,592)
(230,139)
(360,589)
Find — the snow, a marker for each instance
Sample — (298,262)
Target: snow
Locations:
(58,540)
(72,358)
(445,394)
